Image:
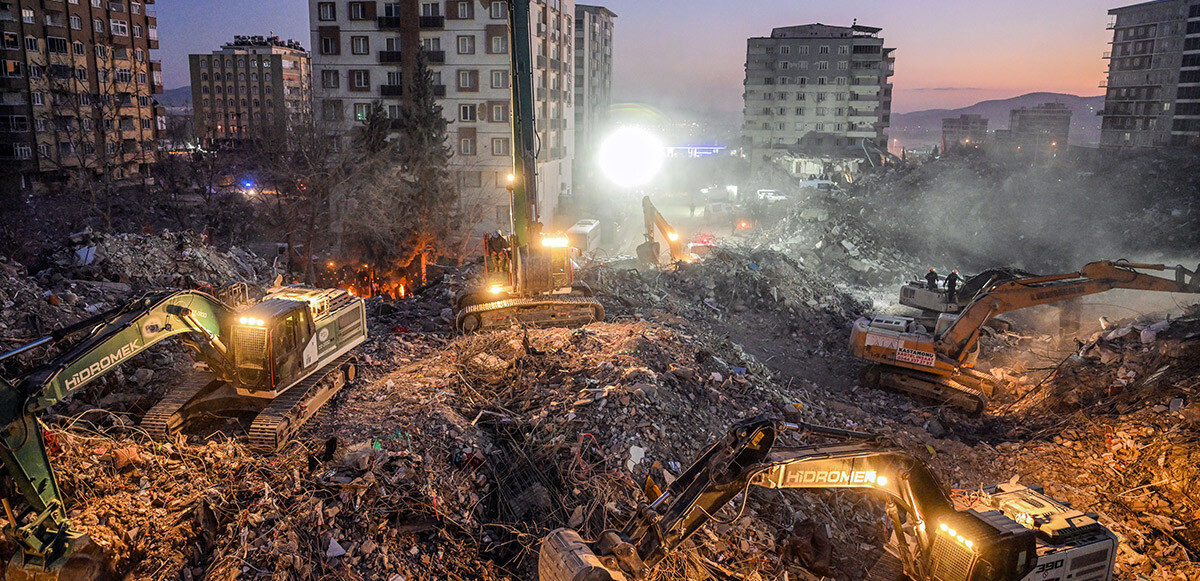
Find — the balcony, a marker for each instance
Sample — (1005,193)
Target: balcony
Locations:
(1112,24)
(391,90)
(389,57)
(1103,84)
(437,57)
(437,22)
(439,90)
(389,22)
(1107,55)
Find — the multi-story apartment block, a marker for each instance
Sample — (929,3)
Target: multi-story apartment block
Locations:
(76,90)
(1152,96)
(963,131)
(361,56)
(1045,124)
(252,87)
(593,84)
(815,89)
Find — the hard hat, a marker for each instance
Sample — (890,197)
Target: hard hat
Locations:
(931,270)
(955,271)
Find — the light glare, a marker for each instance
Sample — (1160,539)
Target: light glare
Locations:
(631,156)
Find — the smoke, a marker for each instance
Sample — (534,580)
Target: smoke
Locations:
(975,212)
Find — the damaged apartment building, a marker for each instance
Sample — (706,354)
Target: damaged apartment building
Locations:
(816,90)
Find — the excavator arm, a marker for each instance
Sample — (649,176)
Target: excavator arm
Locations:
(959,339)
(648,251)
(927,525)
(47,536)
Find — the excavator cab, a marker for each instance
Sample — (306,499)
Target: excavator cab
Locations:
(982,546)
(269,343)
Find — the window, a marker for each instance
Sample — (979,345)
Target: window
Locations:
(119,27)
(499,79)
(466,146)
(44,149)
(76,22)
(358,11)
(431,44)
(843,65)
(331,79)
(22,151)
(360,79)
(823,50)
(329,45)
(35,72)
(79,48)
(466,45)
(822,65)
(361,111)
(466,10)
(499,45)
(499,113)
(144,101)
(431,9)
(98,25)
(468,80)
(123,75)
(785,50)
(466,113)
(139,55)
(37,98)
(81,74)
(27,16)
(11,42)
(359,45)
(56,45)
(137,31)
(326,11)
(498,10)
(135,8)
(147,123)
(31,44)
(843,49)
(500,146)
(395,78)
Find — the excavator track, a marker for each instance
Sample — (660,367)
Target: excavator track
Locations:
(560,311)
(164,419)
(288,413)
(947,390)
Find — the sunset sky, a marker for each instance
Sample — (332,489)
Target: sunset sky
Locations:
(691,53)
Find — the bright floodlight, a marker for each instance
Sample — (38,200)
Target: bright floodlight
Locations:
(631,156)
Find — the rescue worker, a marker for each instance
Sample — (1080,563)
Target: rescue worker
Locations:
(951,284)
(497,246)
(931,278)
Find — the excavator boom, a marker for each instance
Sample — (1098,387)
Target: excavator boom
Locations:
(648,250)
(936,541)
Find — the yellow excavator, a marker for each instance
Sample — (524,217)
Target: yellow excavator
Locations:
(649,250)
(938,363)
(1007,532)
(529,277)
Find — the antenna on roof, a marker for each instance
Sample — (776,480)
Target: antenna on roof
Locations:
(855,23)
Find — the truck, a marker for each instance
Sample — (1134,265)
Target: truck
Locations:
(1006,532)
(281,359)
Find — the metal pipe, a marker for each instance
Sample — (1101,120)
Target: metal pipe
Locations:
(24,348)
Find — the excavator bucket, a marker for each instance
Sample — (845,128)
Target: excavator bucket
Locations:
(84,561)
(565,557)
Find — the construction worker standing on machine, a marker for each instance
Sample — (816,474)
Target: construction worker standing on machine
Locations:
(951,284)
(931,278)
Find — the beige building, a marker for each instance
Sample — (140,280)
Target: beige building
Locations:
(77,89)
(815,89)
(358,61)
(963,131)
(253,86)
(1152,93)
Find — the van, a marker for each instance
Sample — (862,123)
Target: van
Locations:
(585,235)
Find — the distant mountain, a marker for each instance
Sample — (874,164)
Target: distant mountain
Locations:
(180,98)
(925,127)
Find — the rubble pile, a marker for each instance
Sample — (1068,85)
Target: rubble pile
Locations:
(829,235)
(167,260)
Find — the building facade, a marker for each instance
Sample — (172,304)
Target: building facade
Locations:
(815,89)
(253,86)
(593,86)
(963,131)
(1152,93)
(77,91)
(365,52)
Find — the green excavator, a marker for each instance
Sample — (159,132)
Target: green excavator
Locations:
(280,359)
(529,278)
